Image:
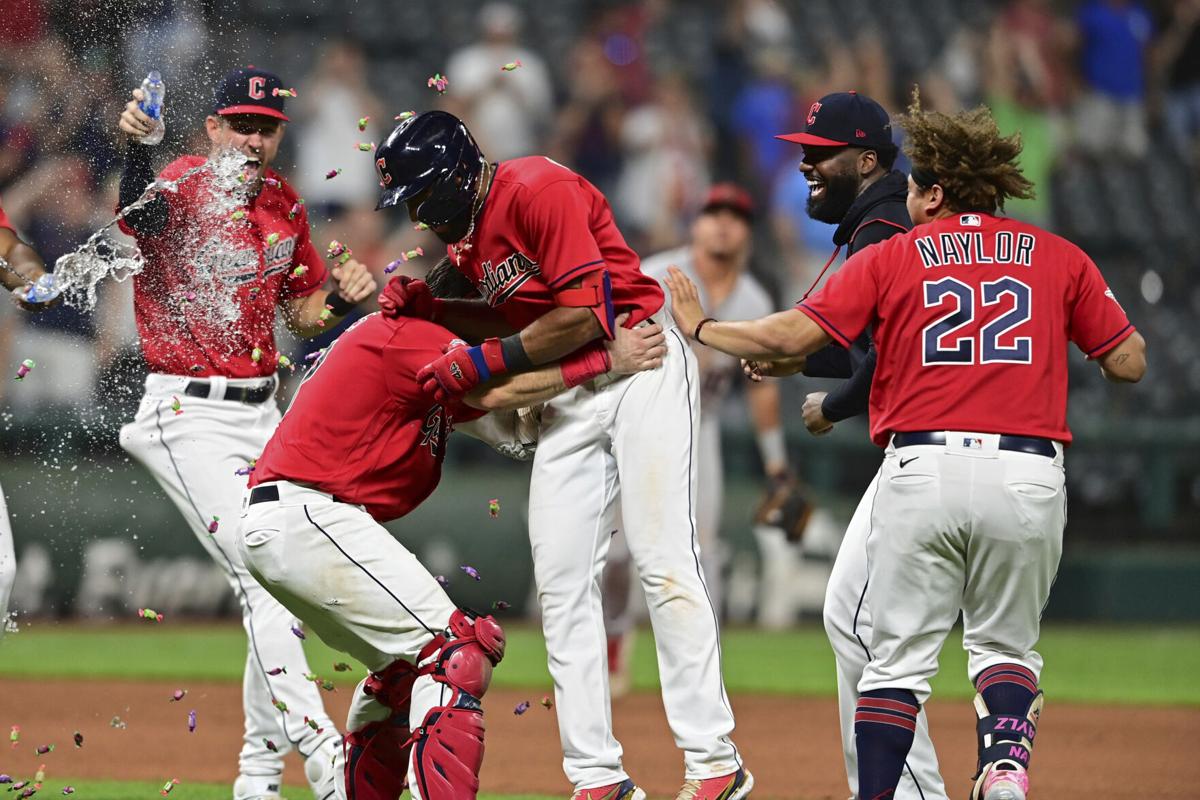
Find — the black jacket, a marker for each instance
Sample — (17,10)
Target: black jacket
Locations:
(877,214)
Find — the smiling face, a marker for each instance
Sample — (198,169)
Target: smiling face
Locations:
(835,178)
(256,136)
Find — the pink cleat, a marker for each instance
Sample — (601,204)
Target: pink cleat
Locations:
(1006,784)
(625,790)
(733,786)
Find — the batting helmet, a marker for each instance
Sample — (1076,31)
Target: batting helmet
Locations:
(433,150)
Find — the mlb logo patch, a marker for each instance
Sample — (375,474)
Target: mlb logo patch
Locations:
(972,443)
(970,220)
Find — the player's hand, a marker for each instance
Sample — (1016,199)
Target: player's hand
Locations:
(451,376)
(355,282)
(757,370)
(19,295)
(814,417)
(134,121)
(636,349)
(685,300)
(407,297)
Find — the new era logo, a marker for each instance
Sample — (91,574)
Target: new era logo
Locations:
(970,220)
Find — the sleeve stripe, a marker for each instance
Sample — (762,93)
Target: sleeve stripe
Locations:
(582,269)
(1112,340)
(829,327)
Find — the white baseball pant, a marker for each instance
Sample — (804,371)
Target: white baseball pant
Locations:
(353,584)
(195,455)
(8,563)
(627,442)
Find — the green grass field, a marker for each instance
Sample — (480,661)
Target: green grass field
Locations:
(1136,665)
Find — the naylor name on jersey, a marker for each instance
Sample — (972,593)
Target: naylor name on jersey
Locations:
(498,283)
(974,247)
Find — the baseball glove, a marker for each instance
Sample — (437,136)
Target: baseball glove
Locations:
(786,506)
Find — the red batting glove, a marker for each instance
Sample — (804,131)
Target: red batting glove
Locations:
(451,376)
(407,297)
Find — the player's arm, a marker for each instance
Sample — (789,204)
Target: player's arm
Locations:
(21,258)
(151,219)
(778,336)
(1125,363)
(762,399)
(633,350)
(306,317)
(473,320)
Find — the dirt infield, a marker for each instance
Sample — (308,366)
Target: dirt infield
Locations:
(790,743)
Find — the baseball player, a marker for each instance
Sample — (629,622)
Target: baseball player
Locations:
(362,444)
(972,314)
(716,260)
(219,260)
(20,269)
(540,244)
(848,157)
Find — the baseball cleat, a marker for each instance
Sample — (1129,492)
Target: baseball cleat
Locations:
(257,787)
(733,786)
(1007,784)
(625,790)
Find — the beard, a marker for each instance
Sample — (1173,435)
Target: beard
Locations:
(840,192)
(456,229)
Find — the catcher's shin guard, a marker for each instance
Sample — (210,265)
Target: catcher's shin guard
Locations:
(377,753)
(1005,742)
(449,743)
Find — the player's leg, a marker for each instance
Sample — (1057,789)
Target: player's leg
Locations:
(916,552)
(847,618)
(620,611)
(710,488)
(1011,565)
(194,456)
(363,593)
(572,514)
(655,416)
(8,563)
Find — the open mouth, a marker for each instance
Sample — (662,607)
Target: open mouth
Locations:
(252,169)
(816,188)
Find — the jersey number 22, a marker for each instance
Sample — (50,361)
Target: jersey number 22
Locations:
(951,339)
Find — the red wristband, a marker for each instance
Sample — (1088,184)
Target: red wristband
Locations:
(584,364)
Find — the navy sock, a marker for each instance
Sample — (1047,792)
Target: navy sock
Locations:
(1007,688)
(884,725)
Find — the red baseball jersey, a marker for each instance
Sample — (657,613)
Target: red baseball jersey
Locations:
(4,223)
(206,298)
(972,315)
(360,427)
(542,227)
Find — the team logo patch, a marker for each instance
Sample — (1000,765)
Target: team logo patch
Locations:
(970,220)
(1109,294)
(812,112)
(972,443)
(433,430)
(385,177)
(500,282)
(456,371)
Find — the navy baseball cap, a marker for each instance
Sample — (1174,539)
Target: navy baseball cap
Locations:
(844,119)
(250,91)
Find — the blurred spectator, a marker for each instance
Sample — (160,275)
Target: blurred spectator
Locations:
(1110,117)
(17,149)
(1177,56)
(588,129)
(664,174)
(765,107)
(332,98)
(508,112)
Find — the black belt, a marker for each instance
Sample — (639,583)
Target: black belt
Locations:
(1017,444)
(241,394)
(270,494)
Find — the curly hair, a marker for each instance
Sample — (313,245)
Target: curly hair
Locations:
(975,166)
(446,282)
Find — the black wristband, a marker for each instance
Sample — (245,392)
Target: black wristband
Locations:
(515,357)
(699,325)
(338,305)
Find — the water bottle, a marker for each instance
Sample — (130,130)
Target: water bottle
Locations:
(153,90)
(44,290)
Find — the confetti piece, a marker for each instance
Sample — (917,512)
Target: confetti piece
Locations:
(5,778)
(68,790)
(150,614)
(494,507)
(23,370)
(192,721)
(19,785)
(178,695)
(297,631)
(362,123)
(256,355)
(333,173)
(277,671)
(324,316)
(284,92)
(510,66)
(168,786)
(272,239)
(118,723)
(14,736)
(176,406)
(335,249)
(441,579)
(521,708)
(366,147)
(286,363)
(189,297)
(420,226)
(273,183)
(327,685)
(246,470)
(78,739)
(501,605)
(407,255)
(240,214)
(403,115)
(439,83)
(312,723)
(315,354)
(254,290)
(467,568)
(39,777)
(342,666)
(212,526)
(312,676)
(298,206)
(43,749)
(270,745)
(298,271)
(279,704)
(30,792)
(196,368)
